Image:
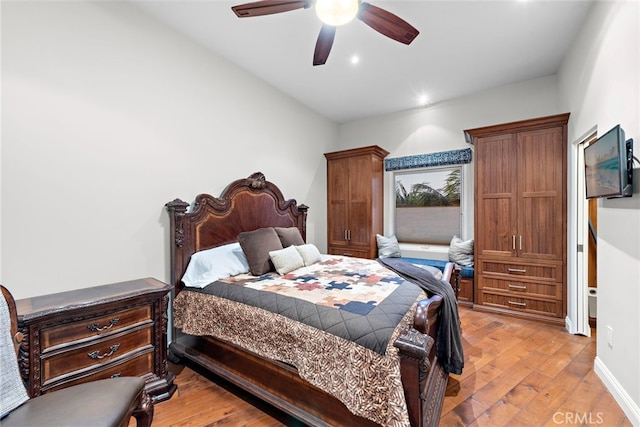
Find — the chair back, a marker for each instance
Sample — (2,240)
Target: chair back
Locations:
(12,390)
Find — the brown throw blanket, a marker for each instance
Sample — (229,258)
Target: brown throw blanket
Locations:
(449,342)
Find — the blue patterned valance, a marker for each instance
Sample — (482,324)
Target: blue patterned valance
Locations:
(453,157)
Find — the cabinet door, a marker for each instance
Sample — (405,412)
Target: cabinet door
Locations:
(338,200)
(541,207)
(360,201)
(496,196)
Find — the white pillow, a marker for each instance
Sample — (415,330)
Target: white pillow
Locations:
(286,260)
(309,253)
(461,251)
(388,247)
(214,264)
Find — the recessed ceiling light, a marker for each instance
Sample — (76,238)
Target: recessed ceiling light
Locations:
(355,59)
(423,100)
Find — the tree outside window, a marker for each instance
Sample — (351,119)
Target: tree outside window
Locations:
(428,205)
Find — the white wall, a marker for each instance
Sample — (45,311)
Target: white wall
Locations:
(107,115)
(600,84)
(440,127)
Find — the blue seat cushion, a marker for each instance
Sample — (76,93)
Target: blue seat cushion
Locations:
(467,272)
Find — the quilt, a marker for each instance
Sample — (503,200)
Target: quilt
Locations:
(335,321)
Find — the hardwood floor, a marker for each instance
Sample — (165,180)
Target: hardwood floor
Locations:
(517,373)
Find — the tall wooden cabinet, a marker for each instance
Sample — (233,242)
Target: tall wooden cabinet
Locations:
(355,201)
(521,218)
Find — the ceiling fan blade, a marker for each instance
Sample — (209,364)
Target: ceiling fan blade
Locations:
(387,23)
(323,45)
(269,7)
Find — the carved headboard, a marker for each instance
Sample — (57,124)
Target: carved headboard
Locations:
(244,205)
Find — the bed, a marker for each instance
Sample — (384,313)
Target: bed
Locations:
(232,337)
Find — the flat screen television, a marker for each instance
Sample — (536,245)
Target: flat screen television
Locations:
(609,165)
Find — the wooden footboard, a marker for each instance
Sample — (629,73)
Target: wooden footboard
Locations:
(423,378)
(419,367)
(418,361)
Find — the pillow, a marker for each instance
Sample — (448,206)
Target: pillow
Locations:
(461,251)
(309,253)
(289,236)
(388,247)
(256,246)
(214,264)
(286,260)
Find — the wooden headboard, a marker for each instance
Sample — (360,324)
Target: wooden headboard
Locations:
(244,205)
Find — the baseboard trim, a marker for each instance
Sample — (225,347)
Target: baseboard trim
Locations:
(628,406)
(568,325)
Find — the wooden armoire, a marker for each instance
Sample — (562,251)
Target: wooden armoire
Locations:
(355,190)
(521,218)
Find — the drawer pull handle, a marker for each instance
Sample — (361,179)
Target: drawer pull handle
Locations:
(97,328)
(517,287)
(118,375)
(519,304)
(517,270)
(96,354)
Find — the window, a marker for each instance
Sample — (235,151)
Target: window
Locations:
(428,204)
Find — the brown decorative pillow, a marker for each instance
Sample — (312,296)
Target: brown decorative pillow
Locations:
(289,236)
(256,246)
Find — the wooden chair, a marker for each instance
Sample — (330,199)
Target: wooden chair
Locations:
(103,403)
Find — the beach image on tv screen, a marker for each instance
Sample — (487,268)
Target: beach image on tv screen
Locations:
(602,168)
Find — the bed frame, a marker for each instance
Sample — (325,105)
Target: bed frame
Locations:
(252,203)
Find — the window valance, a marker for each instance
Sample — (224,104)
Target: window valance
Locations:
(442,158)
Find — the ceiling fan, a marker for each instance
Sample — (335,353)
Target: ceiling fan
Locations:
(334,13)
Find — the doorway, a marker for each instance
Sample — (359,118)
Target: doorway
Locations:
(587,252)
(592,258)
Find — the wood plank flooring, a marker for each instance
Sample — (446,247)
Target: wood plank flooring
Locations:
(517,373)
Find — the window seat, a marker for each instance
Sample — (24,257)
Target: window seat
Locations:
(465,293)
(467,272)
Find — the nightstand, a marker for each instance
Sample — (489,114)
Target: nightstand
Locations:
(87,334)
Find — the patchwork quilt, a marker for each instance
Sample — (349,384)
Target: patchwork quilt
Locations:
(335,321)
(355,299)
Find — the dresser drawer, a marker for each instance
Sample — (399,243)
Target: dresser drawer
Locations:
(93,327)
(348,252)
(75,360)
(119,329)
(547,307)
(552,272)
(521,287)
(139,366)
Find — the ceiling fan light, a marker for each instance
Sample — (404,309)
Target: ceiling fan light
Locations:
(336,12)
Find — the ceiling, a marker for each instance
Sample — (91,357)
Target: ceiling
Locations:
(463,47)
